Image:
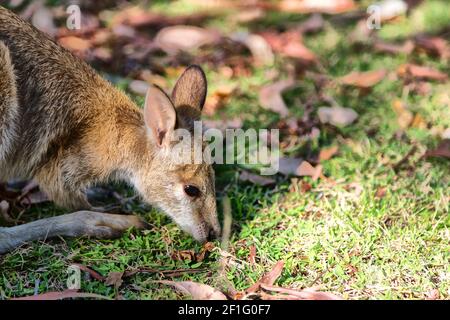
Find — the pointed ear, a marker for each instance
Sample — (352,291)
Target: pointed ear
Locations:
(190,89)
(159,115)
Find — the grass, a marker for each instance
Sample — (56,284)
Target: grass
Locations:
(339,235)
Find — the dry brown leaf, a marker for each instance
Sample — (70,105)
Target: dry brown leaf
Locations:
(392,48)
(75,44)
(139,87)
(66,294)
(441,151)
(270,96)
(380,193)
(94,274)
(404,116)
(269,278)
(198,291)
(337,116)
(252,255)
(313,24)
(307,170)
(206,248)
(258,46)
(305,294)
(328,153)
(323,6)
(290,44)
(299,167)
(390,9)
(114,278)
(185,38)
(190,255)
(434,45)
(420,72)
(433,294)
(363,79)
(254,178)
(183,255)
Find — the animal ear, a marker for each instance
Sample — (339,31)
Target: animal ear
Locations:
(159,115)
(189,94)
(190,89)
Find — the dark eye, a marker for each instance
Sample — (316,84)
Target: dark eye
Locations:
(191,191)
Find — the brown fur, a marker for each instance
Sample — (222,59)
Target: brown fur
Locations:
(68,128)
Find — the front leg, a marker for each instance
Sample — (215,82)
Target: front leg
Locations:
(78,224)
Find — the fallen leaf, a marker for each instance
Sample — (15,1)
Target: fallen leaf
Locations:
(198,291)
(307,170)
(258,46)
(114,278)
(305,294)
(418,122)
(363,79)
(420,72)
(183,255)
(247,176)
(434,46)
(94,274)
(206,248)
(305,187)
(59,295)
(270,96)
(324,6)
(380,193)
(252,255)
(337,116)
(185,38)
(420,87)
(392,48)
(139,87)
(404,116)
(75,44)
(313,24)
(249,15)
(432,294)
(441,151)
(328,153)
(269,278)
(360,34)
(290,44)
(389,9)
(190,255)
(299,167)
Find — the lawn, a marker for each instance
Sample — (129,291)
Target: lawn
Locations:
(375,225)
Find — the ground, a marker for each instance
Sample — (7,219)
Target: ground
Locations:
(368,229)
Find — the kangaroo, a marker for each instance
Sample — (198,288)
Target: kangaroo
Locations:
(67,128)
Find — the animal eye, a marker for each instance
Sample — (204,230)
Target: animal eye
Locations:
(191,191)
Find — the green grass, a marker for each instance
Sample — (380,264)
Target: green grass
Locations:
(338,236)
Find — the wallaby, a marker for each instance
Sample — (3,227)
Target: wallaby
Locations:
(67,128)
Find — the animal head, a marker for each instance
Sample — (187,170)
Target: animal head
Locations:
(180,187)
